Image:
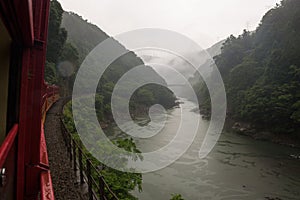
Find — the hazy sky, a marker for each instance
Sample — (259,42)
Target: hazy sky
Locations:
(204,21)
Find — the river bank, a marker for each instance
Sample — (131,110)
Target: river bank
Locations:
(247,129)
(139,111)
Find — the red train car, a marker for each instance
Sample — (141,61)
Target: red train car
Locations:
(24,100)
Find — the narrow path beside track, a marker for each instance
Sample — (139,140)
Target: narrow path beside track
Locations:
(64,179)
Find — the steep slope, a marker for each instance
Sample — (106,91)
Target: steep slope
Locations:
(86,36)
(83,35)
(213,51)
(261,72)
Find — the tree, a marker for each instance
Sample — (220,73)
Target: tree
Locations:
(57,36)
(176,197)
(261,72)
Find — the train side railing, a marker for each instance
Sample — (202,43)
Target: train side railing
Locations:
(7,165)
(98,189)
(7,144)
(51,95)
(46,188)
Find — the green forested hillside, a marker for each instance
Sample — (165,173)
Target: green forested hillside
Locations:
(261,71)
(85,36)
(71,38)
(57,48)
(82,34)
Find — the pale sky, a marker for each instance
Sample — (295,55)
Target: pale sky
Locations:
(204,21)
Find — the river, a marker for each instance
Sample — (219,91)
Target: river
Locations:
(237,168)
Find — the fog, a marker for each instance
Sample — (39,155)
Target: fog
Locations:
(204,21)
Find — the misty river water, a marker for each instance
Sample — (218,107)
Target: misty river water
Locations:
(237,168)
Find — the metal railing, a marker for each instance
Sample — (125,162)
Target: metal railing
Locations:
(7,144)
(50,96)
(47,192)
(88,173)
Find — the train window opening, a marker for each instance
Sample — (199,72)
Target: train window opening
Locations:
(5,52)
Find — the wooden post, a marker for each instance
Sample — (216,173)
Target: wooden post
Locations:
(90,182)
(74,155)
(80,165)
(101,188)
(70,145)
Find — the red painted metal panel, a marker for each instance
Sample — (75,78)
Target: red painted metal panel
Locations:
(23,126)
(46,186)
(34,95)
(7,144)
(43,149)
(47,192)
(24,12)
(18,18)
(27,22)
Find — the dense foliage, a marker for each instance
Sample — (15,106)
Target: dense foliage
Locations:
(86,36)
(59,50)
(121,183)
(261,71)
(176,197)
(70,39)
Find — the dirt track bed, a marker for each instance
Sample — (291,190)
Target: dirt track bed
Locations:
(64,180)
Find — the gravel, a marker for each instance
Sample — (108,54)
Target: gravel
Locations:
(63,177)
